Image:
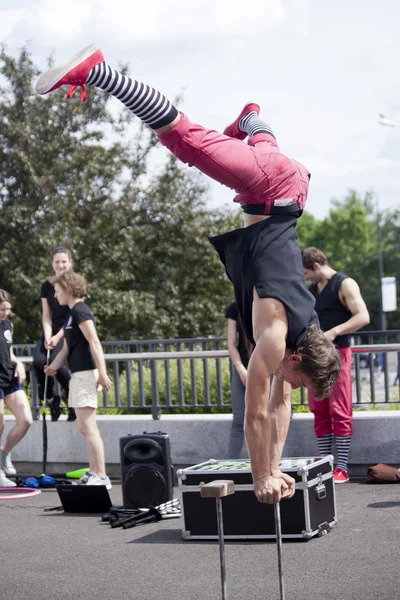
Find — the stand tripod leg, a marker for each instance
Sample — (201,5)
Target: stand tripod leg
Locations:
(278,532)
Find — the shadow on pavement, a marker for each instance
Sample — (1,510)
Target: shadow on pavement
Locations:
(383,504)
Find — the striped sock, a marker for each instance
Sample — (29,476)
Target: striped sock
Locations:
(343,449)
(252,125)
(325,444)
(150,106)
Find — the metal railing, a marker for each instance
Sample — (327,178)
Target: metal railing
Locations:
(376,337)
(133,346)
(136,380)
(199,380)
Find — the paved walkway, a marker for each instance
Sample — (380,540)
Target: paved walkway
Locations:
(55,556)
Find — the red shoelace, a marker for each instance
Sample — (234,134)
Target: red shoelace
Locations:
(73,89)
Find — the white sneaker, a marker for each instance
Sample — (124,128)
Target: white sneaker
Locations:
(97,480)
(6,483)
(85,477)
(5,460)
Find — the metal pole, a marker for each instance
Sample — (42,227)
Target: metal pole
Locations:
(44,424)
(218,489)
(380,267)
(380,263)
(220,525)
(278,532)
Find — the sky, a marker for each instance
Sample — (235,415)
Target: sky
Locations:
(321,71)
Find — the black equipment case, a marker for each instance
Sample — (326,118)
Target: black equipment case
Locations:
(311,512)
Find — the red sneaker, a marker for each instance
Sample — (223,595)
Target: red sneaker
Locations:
(73,73)
(233,129)
(340,476)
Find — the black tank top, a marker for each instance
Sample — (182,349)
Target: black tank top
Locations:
(266,256)
(330,310)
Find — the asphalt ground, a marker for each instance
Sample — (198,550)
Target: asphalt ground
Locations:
(55,555)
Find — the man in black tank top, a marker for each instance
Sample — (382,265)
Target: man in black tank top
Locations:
(263,261)
(341,311)
(267,183)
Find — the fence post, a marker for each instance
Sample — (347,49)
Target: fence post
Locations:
(155,399)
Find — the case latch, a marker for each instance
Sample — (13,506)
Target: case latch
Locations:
(320,488)
(323,529)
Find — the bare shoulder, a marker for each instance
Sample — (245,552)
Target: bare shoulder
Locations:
(349,282)
(348,287)
(350,296)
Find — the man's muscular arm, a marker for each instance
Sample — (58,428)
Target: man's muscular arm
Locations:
(266,433)
(350,297)
(280,409)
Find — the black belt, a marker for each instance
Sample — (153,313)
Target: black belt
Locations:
(259,209)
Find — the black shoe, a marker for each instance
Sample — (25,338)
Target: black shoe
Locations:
(71,415)
(55,408)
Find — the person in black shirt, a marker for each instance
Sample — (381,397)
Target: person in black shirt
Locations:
(239,352)
(12,377)
(53,317)
(341,311)
(263,262)
(83,351)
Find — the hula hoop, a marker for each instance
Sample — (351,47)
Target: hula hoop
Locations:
(26,493)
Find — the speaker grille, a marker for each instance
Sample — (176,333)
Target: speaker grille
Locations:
(143,451)
(144,485)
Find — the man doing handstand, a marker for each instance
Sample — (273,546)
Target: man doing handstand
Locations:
(262,260)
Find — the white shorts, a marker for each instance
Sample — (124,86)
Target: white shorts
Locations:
(82,389)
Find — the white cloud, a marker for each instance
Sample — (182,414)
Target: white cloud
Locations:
(9,20)
(387,163)
(119,23)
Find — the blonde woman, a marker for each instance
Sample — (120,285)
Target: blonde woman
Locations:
(83,351)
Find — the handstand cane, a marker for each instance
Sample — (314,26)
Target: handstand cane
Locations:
(278,533)
(219,489)
(44,428)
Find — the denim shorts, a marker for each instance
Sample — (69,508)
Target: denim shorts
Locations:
(14,386)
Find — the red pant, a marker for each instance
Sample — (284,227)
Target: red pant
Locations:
(334,414)
(257,171)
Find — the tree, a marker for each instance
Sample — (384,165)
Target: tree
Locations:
(348,236)
(74,174)
(307,229)
(179,285)
(390,233)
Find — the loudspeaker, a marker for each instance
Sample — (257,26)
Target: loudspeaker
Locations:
(146,470)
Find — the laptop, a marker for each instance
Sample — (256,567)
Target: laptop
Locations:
(84,498)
